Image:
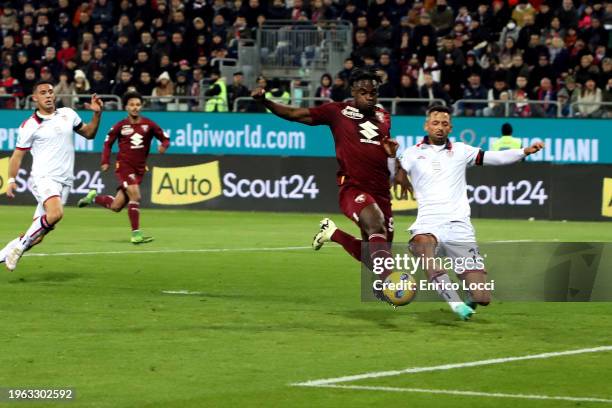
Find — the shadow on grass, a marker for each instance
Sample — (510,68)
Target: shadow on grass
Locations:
(45,277)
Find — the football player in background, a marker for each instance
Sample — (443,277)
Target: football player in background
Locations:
(366,159)
(134,134)
(49,136)
(436,168)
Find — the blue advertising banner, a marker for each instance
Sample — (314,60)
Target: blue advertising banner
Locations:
(567,140)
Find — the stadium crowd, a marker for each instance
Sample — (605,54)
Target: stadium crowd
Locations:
(542,50)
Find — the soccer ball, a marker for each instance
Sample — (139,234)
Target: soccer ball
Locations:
(399,288)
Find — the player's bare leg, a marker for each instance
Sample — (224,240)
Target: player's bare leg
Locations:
(114,204)
(424,245)
(54,212)
(133,193)
(476,279)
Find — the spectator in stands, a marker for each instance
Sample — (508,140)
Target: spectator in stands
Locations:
(385,63)
(142,63)
(424,29)
(564,102)
(324,88)
(81,87)
(64,90)
(99,84)
(361,48)
(567,14)
(351,12)
(237,90)
(432,91)
(125,82)
(589,100)
(85,62)
(586,70)
(145,84)
(442,18)
(406,90)
(66,52)
(429,66)
(559,57)
(510,30)
(347,68)
(18,69)
(448,78)
(448,47)
(216,94)
(523,11)
(494,107)
(475,90)
(545,93)
(383,35)
(51,63)
(544,17)
(607,98)
(521,107)
(386,90)
(554,29)
(276,11)
(121,54)
(542,70)
(340,90)
(463,16)
(27,85)
(398,10)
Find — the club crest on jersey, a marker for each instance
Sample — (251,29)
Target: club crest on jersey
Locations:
(380,116)
(352,113)
(370,131)
(126,130)
(360,198)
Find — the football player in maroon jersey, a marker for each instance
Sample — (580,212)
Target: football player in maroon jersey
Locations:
(366,159)
(134,135)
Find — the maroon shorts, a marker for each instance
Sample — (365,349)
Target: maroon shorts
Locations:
(128,175)
(353,201)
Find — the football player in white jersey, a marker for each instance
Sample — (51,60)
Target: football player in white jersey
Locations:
(436,168)
(49,136)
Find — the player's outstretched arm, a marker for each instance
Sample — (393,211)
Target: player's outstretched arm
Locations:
(89,130)
(301,115)
(14,166)
(500,158)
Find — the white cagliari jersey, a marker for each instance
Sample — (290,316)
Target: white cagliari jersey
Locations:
(51,143)
(438,177)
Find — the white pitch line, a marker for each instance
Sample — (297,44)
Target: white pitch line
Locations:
(181,292)
(327,381)
(469,393)
(174,251)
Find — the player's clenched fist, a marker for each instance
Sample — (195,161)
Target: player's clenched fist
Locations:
(10,189)
(534,148)
(258,94)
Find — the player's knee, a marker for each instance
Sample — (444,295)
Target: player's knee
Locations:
(420,243)
(54,215)
(116,208)
(376,226)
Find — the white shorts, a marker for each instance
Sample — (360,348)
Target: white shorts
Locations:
(43,188)
(456,240)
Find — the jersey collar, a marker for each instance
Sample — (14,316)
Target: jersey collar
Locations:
(39,119)
(426,141)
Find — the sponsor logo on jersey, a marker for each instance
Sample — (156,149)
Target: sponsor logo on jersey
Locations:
(137,141)
(360,198)
(370,131)
(126,130)
(352,113)
(4,165)
(606,197)
(185,185)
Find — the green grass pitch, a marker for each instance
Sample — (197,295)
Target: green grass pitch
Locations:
(263,319)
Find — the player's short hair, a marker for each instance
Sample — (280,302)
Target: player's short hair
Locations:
(439,108)
(506,129)
(131,95)
(363,75)
(42,82)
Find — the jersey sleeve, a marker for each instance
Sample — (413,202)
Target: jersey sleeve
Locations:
(323,115)
(473,156)
(112,135)
(160,135)
(406,160)
(77,122)
(25,137)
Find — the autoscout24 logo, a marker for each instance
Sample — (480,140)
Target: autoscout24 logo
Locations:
(185,185)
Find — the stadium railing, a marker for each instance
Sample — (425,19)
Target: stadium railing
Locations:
(604,110)
(10,102)
(249,105)
(485,110)
(112,102)
(391,104)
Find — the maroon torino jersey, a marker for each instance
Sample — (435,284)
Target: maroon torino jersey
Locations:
(134,142)
(360,154)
